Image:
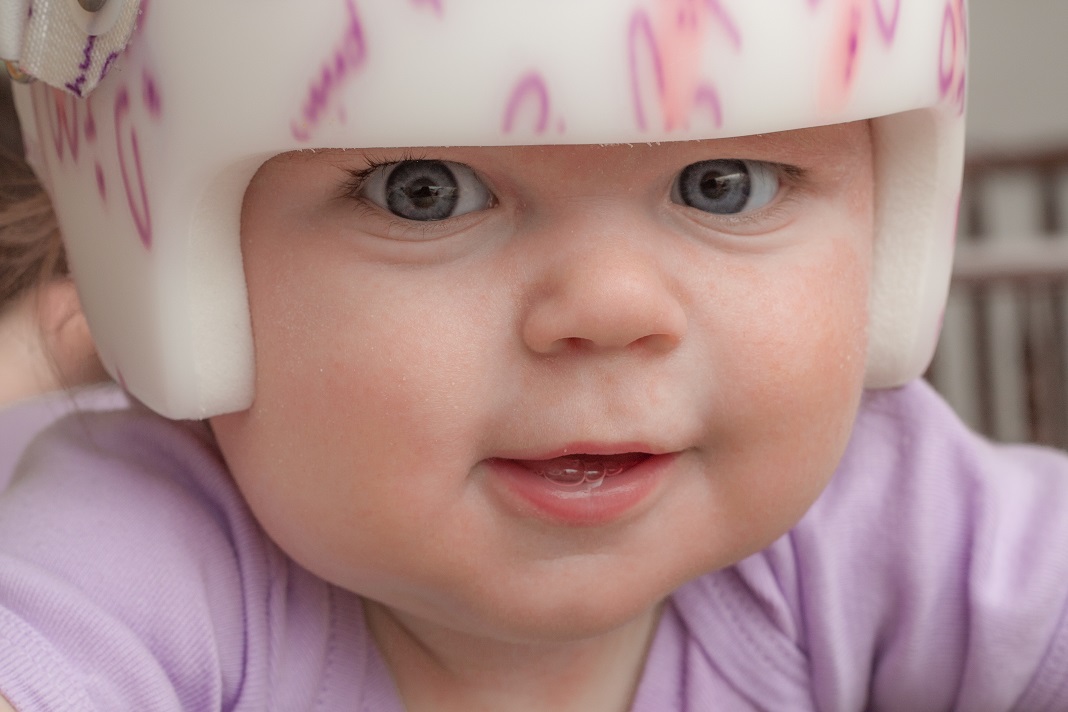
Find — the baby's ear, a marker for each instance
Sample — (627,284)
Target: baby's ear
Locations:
(66,336)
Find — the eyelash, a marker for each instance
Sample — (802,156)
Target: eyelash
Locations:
(353,186)
(352,189)
(794,178)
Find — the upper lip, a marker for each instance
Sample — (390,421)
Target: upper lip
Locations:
(585,448)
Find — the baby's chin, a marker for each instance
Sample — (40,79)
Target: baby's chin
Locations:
(553,620)
(563,607)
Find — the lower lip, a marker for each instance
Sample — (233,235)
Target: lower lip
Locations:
(614,499)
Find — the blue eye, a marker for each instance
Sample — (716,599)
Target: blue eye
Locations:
(426,190)
(726,186)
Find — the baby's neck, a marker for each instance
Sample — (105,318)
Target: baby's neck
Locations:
(443,670)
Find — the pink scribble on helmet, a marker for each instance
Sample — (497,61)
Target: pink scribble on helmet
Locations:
(133,175)
(101,183)
(530,88)
(708,96)
(641,32)
(90,122)
(682,28)
(62,112)
(887,23)
(332,75)
(676,37)
(852,26)
(151,96)
(952,53)
(847,40)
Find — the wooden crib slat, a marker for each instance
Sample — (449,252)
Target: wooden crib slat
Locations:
(1008,208)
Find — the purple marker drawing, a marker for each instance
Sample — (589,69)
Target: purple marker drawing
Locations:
(532,85)
(949,37)
(672,42)
(852,22)
(101,185)
(136,195)
(151,96)
(708,96)
(641,30)
(952,72)
(726,21)
(887,27)
(110,60)
(852,45)
(349,56)
(90,122)
(62,112)
(76,85)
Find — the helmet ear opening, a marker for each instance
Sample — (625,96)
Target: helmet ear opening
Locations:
(223,357)
(918,158)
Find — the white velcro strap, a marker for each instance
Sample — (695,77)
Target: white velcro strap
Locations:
(13,17)
(72,49)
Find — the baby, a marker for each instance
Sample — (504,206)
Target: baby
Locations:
(518,357)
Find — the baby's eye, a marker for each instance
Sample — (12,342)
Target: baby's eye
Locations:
(426,190)
(727,186)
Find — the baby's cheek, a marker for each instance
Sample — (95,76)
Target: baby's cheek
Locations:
(798,349)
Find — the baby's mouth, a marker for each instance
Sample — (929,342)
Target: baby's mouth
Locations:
(582,469)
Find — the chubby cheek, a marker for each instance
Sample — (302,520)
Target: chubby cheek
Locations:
(362,424)
(790,376)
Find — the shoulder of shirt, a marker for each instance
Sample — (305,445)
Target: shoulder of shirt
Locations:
(21,422)
(928,543)
(123,536)
(118,522)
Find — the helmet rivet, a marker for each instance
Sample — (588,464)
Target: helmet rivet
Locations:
(92,5)
(16,74)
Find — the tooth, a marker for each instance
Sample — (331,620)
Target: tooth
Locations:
(574,472)
(568,473)
(594,473)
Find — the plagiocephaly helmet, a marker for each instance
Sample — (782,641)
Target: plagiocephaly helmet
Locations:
(146,120)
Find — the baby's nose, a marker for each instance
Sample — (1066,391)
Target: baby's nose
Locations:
(607,294)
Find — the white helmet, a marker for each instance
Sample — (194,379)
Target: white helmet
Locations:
(148,120)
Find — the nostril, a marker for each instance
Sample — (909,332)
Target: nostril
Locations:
(577,345)
(657,342)
(607,339)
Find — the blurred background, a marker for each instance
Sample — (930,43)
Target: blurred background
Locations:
(1003,358)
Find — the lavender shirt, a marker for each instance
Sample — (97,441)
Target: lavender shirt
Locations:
(931,575)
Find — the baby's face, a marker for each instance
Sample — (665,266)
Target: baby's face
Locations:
(528,392)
